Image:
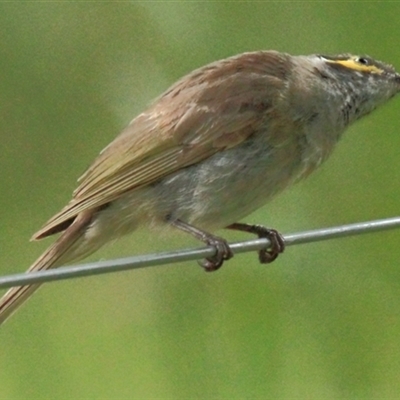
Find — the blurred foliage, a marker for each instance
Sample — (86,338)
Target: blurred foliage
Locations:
(321,322)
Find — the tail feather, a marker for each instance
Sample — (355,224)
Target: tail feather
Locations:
(61,251)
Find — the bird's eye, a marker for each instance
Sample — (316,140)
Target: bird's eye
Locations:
(362,60)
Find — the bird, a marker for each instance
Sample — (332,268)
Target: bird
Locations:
(214,147)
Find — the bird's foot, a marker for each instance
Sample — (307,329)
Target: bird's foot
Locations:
(276,247)
(223,252)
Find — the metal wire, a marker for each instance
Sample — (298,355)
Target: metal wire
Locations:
(150,260)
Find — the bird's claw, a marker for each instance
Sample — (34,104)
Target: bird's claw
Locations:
(276,247)
(223,252)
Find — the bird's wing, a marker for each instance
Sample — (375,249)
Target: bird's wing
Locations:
(196,118)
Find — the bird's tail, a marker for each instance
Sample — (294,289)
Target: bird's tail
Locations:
(67,248)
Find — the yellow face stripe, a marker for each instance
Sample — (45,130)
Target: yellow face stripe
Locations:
(352,63)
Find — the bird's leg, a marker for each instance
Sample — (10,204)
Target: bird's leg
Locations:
(223,251)
(277,241)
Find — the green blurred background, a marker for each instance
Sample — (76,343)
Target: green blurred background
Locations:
(323,322)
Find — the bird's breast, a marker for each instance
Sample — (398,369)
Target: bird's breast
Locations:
(232,183)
